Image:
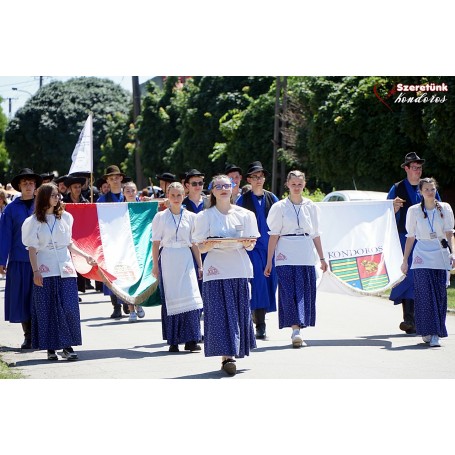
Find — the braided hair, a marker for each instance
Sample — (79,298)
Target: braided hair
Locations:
(422,203)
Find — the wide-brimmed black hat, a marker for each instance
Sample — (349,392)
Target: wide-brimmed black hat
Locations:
(71,180)
(48,176)
(100,182)
(24,174)
(412,158)
(86,175)
(255,166)
(167,177)
(113,170)
(232,168)
(61,179)
(192,173)
(127,179)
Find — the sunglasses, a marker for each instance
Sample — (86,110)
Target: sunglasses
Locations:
(224,186)
(197,183)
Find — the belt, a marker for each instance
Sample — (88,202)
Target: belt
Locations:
(295,235)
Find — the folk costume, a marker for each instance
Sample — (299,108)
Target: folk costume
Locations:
(295,259)
(181,299)
(55,306)
(228,328)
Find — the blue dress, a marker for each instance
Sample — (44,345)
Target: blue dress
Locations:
(19,277)
(263,289)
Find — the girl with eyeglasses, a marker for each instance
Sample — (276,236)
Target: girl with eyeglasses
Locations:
(173,251)
(55,306)
(430,223)
(228,328)
(295,243)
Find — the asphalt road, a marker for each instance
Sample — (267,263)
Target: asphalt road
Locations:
(354,338)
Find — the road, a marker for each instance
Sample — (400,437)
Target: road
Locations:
(354,338)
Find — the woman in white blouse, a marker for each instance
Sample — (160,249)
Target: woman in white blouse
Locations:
(431,224)
(295,241)
(228,328)
(173,251)
(55,305)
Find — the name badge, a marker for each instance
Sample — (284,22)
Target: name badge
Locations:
(299,231)
(433,235)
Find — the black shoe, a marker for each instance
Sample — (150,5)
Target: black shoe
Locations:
(192,346)
(69,354)
(117,314)
(260,331)
(89,286)
(126,309)
(51,355)
(411,331)
(27,344)
(174,348)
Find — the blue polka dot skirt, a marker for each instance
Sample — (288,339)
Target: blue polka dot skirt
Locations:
(56,321)
(178,328)
(430,302)
(228,328)
(296,295)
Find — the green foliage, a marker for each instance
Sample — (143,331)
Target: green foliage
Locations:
(44,132)
(316,196)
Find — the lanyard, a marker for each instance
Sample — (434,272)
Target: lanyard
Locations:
(431,223)
(176,225)
(52,228)
(297,212)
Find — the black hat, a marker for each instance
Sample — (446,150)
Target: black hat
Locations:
(70,180)
(100,182)
(127,179)
(412,158)
(113,170)
(232,168)
(48,176)
(23,174)
(85,175)
(166,177)
(255,166)
(192,173)
(61,179)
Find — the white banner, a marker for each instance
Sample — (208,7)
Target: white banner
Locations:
(361,246)
(83,152)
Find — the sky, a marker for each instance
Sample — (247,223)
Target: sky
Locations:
(28,85)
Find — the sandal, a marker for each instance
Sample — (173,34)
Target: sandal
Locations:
(229,366)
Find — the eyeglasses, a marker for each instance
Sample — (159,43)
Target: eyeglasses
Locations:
(197,183)
(257,177)
(55,195)
(224,186)
(416,168)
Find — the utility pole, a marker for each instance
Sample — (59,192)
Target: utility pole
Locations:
(276,135)
(136,112)
(283,128)
(10,106)
(40,81)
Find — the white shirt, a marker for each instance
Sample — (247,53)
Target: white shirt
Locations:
(428,253)
(44,236)
(286,220)
(228,260)
(171,230)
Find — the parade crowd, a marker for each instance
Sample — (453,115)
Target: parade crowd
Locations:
(221,255)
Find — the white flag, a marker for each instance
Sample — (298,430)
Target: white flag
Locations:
(83,152)
(361,246)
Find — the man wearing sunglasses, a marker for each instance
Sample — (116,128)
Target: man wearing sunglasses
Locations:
(195,201)
(404,194)
(263,288)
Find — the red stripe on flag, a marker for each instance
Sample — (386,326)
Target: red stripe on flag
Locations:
(86,235)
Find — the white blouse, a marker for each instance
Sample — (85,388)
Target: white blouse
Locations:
(51,240)
(226,260)
(173,231)
(428,253)
(297,226)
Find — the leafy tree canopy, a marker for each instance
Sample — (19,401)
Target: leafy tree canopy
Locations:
(43,134)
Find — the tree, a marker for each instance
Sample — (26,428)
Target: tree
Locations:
(43,134)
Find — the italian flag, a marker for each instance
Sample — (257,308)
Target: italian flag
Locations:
(118,236)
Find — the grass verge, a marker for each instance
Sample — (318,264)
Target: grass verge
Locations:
(6,372)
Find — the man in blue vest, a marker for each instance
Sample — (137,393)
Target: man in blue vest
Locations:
(404,194)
